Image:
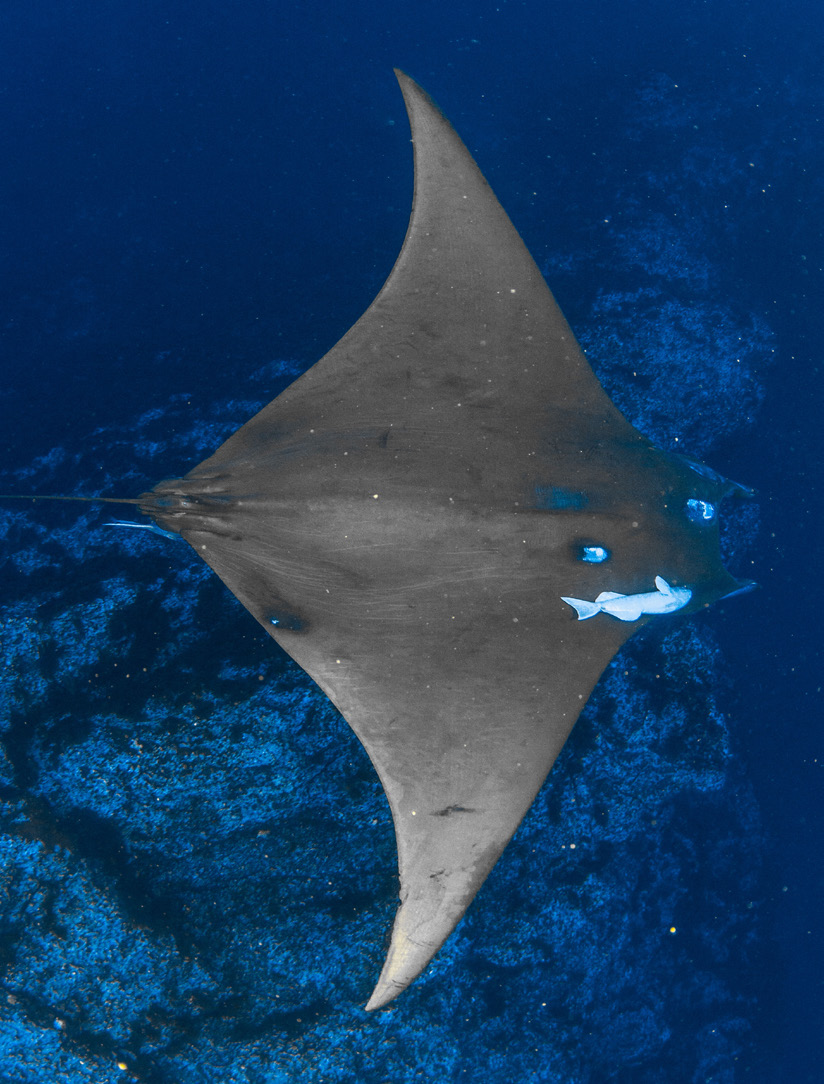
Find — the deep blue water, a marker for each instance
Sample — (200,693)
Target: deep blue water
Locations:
(198,870)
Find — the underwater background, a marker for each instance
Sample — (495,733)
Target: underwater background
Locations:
(197,865)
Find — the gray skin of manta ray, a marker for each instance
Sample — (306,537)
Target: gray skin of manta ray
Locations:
(406,519)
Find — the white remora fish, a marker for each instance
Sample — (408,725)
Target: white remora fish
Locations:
(663,600)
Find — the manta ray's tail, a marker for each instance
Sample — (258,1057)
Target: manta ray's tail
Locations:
(585,609)
(53,497)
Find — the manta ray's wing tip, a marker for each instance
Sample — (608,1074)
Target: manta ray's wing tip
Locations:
(383,993)
(405,960)
(422,924)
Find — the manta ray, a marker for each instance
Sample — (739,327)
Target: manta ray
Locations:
(448,524)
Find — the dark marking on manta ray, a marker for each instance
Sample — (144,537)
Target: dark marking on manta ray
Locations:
(448,524)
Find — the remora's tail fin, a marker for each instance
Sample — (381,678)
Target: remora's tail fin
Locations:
(585,609)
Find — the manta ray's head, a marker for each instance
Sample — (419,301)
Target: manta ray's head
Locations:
(638,513)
